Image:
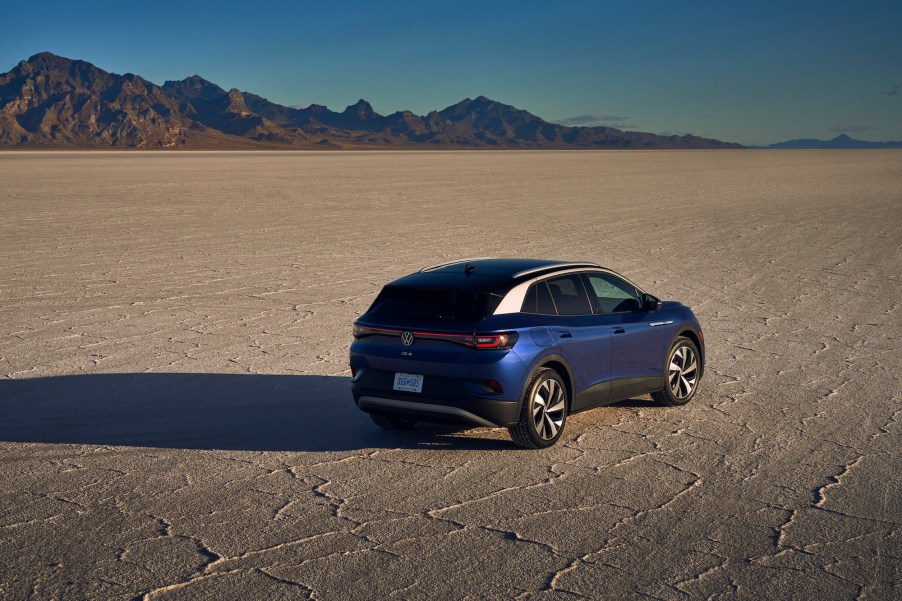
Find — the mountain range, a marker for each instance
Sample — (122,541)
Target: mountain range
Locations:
(841,141)
(49,101)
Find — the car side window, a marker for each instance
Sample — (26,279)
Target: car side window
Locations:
(529,301)
(612,294)
(569,295)
(544,304)
(538,300)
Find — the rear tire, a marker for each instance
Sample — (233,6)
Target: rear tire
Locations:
(393,422)
(682,372)
(543,413)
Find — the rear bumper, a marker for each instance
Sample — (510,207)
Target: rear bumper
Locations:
(473,411)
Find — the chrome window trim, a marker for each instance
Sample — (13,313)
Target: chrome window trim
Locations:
(513,300)
(560,265)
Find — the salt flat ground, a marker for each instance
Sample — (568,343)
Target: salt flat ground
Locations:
(175,414)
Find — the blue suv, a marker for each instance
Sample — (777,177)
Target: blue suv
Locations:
(520,344)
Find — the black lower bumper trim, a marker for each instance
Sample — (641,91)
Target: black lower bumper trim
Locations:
(491,413)
(376,403)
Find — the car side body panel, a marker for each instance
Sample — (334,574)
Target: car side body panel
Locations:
(585,343)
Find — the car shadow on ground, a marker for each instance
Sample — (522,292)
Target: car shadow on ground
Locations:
(636,403)
(209,411)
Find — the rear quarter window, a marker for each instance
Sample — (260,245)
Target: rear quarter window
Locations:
(538,300)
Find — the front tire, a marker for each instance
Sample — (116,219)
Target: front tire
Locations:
(393,422)
(682,373)
(543,413)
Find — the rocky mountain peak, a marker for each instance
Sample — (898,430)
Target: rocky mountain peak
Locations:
(363,110)
(192,88)
(236,102)
(47,60)
(235,97)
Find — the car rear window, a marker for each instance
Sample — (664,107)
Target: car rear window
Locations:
(433,304)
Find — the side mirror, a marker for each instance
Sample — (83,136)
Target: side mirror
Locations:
(650,303)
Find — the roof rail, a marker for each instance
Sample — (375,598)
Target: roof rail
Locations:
(456,261)
(553,267)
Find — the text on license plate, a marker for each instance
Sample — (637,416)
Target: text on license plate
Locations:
(408,382)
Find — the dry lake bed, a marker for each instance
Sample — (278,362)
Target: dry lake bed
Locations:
(175,410)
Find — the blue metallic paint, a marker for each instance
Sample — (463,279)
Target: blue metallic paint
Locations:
(604,357)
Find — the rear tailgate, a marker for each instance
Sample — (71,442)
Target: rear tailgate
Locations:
(426,331)
(435,354)
(431,351)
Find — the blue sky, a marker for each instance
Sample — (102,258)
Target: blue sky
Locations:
(751,72)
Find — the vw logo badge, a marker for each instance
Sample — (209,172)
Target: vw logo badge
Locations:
(407,338)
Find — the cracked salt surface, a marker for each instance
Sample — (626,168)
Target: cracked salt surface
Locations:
(175,416)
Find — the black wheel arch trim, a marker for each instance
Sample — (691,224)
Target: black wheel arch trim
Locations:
(693,335)
(544,361)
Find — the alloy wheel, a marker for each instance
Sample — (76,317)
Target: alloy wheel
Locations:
(683,372)
(548,408)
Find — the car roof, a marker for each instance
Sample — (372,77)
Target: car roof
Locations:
(485,274)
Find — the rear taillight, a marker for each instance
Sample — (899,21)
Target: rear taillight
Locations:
(363,331)
(495,342)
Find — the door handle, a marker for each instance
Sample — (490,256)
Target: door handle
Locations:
(565,334)
(618,330)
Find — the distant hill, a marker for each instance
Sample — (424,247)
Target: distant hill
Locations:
(53,102)
(840,141)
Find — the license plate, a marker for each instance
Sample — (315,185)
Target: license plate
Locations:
(408,382)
